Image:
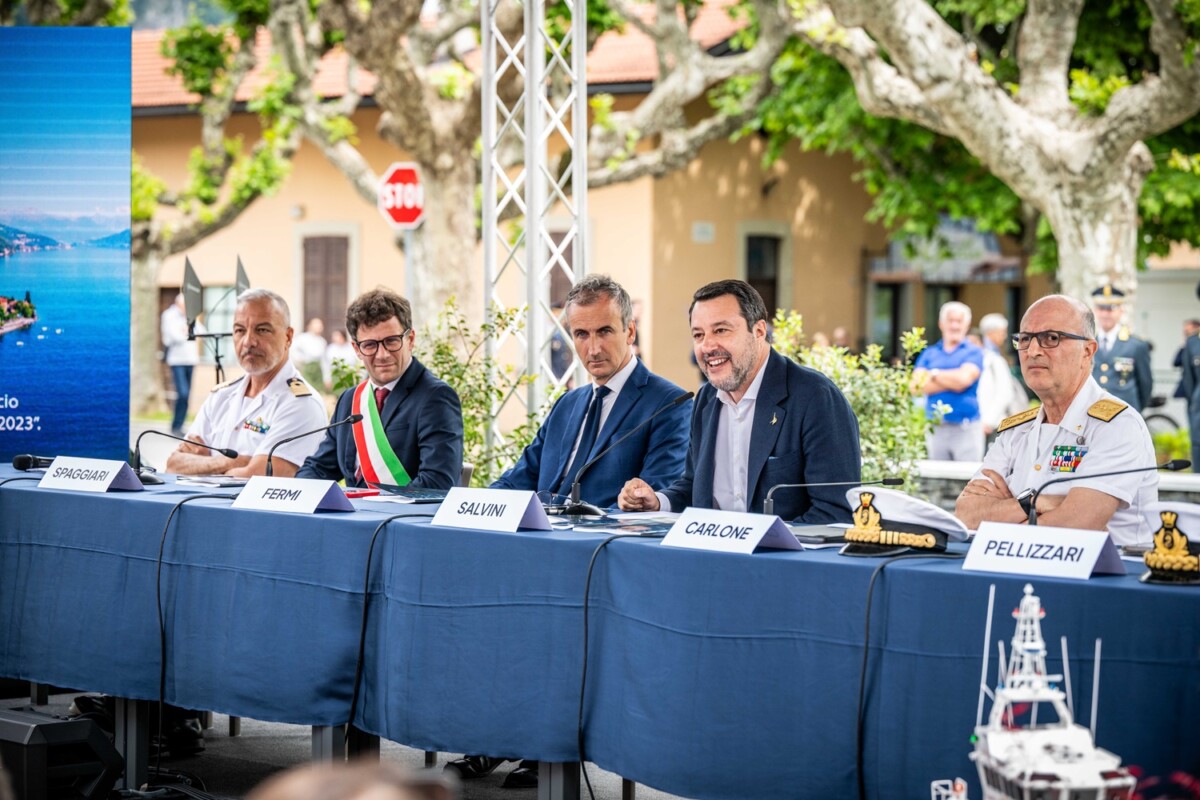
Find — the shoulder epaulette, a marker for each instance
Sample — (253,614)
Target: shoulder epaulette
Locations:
(227,384)
(1017,419)
(299,387)
(1105,410)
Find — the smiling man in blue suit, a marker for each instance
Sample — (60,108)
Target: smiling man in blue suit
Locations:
(623,394)
(762,420)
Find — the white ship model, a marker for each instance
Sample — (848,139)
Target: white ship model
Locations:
(1020,757)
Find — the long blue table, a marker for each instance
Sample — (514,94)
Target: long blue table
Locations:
(709,676)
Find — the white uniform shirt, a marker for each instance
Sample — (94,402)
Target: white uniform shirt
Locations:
(1023,456)
(252,425)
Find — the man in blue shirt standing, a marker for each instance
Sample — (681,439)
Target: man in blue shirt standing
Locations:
(947,374)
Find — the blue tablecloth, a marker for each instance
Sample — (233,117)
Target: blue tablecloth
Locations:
(710,676)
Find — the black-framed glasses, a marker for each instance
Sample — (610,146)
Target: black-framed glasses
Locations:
(369,347)
(1045,339)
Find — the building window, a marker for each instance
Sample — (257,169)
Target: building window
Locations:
(762,268)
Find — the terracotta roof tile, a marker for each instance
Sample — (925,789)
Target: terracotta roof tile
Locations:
(626,57)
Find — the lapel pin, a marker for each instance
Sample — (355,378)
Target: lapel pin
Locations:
(774,419)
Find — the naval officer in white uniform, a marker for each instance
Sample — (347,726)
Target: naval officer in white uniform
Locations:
(1080,429)
(251,413)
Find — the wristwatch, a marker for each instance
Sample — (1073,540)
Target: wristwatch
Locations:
(1025,498)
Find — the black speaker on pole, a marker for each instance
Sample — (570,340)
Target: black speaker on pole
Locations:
(49,758)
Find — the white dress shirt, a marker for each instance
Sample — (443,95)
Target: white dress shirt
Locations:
(735,424)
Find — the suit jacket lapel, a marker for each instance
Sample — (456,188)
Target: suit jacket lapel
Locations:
(396,397)
(630,394)
(769,414)
(574,415)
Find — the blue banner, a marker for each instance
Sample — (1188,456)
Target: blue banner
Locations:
(64,241)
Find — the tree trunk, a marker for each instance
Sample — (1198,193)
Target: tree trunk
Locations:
(1095,224)
(145,384)
(443,263)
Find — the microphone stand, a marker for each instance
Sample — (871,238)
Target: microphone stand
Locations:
(350,420)
(769,501)
(1174,465)
(577,507)
(149,478)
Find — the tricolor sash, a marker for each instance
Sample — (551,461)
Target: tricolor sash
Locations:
(376,457)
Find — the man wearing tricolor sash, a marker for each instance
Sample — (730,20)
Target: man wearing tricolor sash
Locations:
(411,432)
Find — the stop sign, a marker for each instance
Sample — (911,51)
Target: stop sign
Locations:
(401,197)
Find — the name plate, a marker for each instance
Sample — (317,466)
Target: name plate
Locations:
(492,510)
(293,495)
(729,532)
(90,475)
(1043,551)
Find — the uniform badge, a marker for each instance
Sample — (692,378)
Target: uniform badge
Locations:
(1066,457)
(257,425)
(1123,364)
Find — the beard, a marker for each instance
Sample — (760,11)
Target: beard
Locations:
(739,369)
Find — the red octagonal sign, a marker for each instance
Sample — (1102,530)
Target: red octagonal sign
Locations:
(401,197)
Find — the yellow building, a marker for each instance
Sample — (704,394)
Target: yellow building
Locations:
(796,230)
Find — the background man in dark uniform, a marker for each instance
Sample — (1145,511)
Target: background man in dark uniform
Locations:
(1122,364)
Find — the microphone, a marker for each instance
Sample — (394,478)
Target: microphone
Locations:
(26,462)
(1174,465)
(350,420)
(576,506)
(769,501)
(149,478)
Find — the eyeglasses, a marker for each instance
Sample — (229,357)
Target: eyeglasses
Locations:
(1045,339)
(368,347)
(1106,308)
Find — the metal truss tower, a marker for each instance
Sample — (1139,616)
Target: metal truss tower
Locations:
(534,214)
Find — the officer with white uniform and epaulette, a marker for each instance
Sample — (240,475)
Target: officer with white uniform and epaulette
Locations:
(1079,430)
(250,414)
(1122,363)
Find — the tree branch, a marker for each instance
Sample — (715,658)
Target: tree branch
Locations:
(1044,48)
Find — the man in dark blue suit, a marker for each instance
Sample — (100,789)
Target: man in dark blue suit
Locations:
(761,420)
(623,394)
(412,430)
(600,326)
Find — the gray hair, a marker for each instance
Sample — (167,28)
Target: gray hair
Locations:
(258,295)
(593,287)
(993,322)
(954,305)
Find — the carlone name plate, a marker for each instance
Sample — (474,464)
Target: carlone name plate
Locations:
(729,531)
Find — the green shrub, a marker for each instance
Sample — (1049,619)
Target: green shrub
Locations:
(1173,444)
(891,427)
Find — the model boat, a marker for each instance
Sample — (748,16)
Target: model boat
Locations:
(1031,747)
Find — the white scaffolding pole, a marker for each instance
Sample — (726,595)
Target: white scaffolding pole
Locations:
(535,213)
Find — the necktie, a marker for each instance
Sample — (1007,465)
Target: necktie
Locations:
(591,429)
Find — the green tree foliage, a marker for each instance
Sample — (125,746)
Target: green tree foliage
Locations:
(891,427)
(915,175)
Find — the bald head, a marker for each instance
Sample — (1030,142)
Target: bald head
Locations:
(1081,312)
